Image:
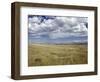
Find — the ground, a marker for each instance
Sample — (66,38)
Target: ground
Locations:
(57,54)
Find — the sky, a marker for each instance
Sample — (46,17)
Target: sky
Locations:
(57,29)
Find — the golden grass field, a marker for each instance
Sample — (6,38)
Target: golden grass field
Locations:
(47,54)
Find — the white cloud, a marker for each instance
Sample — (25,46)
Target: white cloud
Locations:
(34,19)
(80,28)
(59,35)
(59,27)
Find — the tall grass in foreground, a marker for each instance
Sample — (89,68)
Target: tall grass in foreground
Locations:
(46,54)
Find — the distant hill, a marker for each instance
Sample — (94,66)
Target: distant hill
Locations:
(72,43)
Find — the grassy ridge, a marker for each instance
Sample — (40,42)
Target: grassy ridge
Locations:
(46,54)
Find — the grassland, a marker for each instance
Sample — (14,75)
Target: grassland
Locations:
(47,54)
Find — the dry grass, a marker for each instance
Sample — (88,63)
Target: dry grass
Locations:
(46,54)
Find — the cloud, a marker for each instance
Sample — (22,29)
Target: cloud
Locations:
(34,19)
(57,27)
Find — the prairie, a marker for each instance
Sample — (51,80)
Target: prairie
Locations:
(52,54)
